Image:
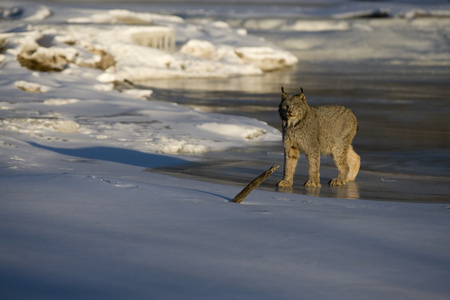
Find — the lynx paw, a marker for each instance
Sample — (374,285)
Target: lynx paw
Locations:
(284,183)
(337,182)
(311,183)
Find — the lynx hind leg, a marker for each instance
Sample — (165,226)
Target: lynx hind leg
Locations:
(340,159)
(354,162)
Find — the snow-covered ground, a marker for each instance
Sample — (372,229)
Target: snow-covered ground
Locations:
(83,215)
(84,222)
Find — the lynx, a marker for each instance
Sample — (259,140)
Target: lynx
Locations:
(327,130)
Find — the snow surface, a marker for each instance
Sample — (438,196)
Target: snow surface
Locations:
(84,215)
(85,222)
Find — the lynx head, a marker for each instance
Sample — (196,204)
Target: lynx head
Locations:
(292,108)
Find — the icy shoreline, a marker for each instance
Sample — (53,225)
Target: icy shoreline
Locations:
(92,62)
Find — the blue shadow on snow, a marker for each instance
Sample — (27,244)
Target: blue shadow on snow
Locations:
(117,155)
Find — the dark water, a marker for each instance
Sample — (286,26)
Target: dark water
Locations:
(403,137)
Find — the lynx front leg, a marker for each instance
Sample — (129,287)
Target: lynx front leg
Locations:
(314,165)
(291,156)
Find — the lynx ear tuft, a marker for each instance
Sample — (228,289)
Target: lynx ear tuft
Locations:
(302,96)
(283,94)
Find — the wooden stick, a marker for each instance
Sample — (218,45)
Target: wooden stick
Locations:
(255,182)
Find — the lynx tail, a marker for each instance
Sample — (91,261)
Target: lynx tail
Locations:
(354,162)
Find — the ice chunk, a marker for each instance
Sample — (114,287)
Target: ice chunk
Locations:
(203,49)
(317,25)
(38,58)
(31,86)
(266,58)
(11,12)
(36,126)
(138,93)
(117,16)
(42,14)
(61,101)
(159,37)
(170,145)
(232,130)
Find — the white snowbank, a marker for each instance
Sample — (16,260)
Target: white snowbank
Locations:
(82,101)
(124,121)
(100,113)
